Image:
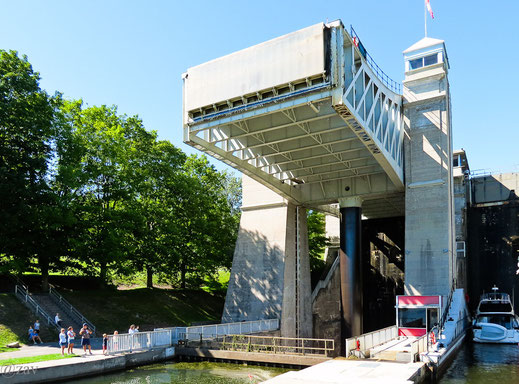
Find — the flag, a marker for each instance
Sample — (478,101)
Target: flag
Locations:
(428,5)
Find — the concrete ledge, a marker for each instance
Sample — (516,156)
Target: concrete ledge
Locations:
(270,358)
(75,368)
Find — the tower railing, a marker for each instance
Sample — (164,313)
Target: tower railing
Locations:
(388,81)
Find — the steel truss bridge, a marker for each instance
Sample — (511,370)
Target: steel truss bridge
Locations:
(308,114)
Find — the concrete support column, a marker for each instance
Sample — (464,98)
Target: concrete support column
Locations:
(351,266)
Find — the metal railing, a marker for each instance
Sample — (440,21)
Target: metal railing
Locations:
(23,294)
(418,346)
(389,82)
(324,283)
(370,340)
(277,345)
(138,341)
(212,331)
(65,305)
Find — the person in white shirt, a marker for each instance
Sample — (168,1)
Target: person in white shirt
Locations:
(70,334)
(62,341)
(131,331)
(57,320)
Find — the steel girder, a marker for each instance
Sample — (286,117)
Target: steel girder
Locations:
(316,140)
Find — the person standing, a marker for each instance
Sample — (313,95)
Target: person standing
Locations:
(105,343)
(57,319)
(70,334)
(62,341)
(37,326)
(85,338)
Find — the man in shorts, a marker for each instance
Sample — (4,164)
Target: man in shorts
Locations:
(85,338)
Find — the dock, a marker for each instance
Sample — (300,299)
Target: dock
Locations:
(340,371)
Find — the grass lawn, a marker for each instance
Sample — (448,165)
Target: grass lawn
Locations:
(15,320)
(34,359)
(111,309)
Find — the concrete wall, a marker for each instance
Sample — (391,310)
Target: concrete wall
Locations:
(487,189)
(429,218)
(268,280)
(326,311)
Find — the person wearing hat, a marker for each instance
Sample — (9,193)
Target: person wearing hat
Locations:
(85,338)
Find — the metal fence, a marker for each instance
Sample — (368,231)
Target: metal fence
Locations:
(418,346)
(138,341)
(65,305)
(164,337)
(371,340)
(395,86)
(23,294)
(277,345)
(211,331)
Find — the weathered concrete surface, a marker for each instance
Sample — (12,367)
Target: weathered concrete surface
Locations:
(494,188)
(355,371)
(304,361)
(326,309)
(429,216)
(267,279)
(58,370)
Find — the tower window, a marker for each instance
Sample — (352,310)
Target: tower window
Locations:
(423,61)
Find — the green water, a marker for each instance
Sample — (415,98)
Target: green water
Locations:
(484,364)
(188,373)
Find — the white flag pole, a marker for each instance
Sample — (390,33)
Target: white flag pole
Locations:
(425,16)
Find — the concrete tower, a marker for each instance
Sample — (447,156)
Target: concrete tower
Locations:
(429,215)
(270,275)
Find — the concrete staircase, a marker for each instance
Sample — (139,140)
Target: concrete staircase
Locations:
(51,307)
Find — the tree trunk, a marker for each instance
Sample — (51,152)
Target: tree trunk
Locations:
(103,273)
(43,262)
(149,277)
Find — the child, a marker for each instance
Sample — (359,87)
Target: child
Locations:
(71,334)
(105,343)
(62,341)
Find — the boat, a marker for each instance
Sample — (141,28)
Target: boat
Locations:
(495,320)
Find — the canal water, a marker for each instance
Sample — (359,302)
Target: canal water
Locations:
(188,373)
(484,363)
(474,364)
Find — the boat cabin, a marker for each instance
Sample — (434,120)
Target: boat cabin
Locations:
(417,315)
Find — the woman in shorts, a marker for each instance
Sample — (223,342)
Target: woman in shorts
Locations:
(62,341)
(70,335)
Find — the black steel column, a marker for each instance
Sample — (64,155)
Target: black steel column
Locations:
(351,271)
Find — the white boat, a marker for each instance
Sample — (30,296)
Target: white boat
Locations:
(495,320)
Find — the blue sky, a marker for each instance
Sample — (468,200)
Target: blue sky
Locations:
(132,53)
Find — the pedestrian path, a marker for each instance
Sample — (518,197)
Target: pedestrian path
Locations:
(49,348)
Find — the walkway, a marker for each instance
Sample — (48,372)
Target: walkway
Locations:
(49,348)
(354,371)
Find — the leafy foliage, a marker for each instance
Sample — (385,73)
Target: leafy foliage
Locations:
(92,191)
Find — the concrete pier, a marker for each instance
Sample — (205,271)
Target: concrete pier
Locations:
(270,275)
(355,371)
(351,266)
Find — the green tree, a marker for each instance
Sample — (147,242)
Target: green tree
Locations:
(317,240)
(112,149)
(27,126)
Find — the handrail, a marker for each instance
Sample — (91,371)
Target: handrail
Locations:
(139,341)
(242,327)
(324,283)
(19,282)
(418,346)
(24,296)
(276,344)
(69,307)
(370,340)
(447,307)
(389,82)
